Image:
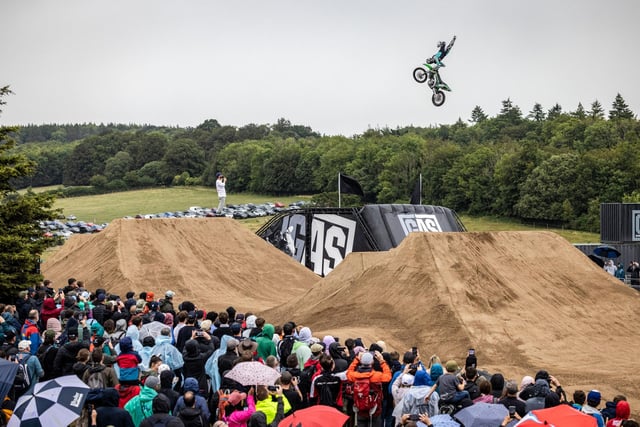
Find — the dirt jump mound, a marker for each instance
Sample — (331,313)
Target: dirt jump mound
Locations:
(210,261)
(524,300)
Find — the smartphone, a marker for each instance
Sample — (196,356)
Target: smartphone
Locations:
(414,417)
(272,388)
(472,352)
(414,350)
(512,411)
(80,316)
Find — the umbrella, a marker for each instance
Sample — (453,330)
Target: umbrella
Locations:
(561,415)
(315,416)
(442,420)
(7,374)
(482,415)
(253,373)
(597,260)
(151,329)
(54,403)
(607,252)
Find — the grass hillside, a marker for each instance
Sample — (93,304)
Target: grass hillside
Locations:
(107,207)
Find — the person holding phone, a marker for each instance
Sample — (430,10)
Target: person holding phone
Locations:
(221,184)
(511,399)
(411,419)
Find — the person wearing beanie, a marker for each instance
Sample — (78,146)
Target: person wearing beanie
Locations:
(591,408)
(623,411)
(108,413)
(166,305)
(362,369)
(191,384)
(610,407)
(141,406)
(451,386)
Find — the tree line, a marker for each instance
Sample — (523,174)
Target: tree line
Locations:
(550,166)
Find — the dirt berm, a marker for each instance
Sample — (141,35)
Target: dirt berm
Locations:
(213,262)
(524,300)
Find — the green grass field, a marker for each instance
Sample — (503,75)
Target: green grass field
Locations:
(107,207)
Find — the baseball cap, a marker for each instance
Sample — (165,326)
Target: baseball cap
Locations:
(169,294)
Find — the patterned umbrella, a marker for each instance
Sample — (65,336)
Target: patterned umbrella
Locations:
(253,373)
(54,403)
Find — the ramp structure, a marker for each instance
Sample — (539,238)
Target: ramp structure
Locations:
(320,238)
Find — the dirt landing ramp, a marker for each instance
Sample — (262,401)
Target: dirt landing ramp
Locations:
(214,262)
(524,300)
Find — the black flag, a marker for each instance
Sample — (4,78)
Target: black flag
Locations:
(350,186)
(416,193)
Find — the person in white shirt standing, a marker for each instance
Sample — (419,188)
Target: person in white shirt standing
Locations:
(221,182)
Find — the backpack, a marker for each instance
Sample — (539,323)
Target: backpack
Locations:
(22,381)
(285,346)
(367,397)
(96,380)
(306,378)
(223,402)
(191,417)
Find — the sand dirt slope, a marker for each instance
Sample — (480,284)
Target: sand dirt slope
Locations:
(524,300)
(213,262)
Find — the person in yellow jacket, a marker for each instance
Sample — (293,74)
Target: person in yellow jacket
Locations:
(362,369)
(268,402)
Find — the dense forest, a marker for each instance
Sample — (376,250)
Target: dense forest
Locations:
(550,166)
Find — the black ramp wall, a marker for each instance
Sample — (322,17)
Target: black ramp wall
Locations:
(320,238)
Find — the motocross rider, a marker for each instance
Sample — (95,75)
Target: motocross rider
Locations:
(443,50)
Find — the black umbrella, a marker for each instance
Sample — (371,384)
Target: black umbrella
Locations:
(607,252)
(54,403)
(597,260)
(7,374)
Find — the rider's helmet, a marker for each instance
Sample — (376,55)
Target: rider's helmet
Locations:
(441,44)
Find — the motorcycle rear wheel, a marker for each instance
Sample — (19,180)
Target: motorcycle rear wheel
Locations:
(438,98)
(420,75)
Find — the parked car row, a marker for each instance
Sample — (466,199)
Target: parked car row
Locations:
(58,228)
(66,227)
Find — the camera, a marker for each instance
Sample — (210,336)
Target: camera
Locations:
(414,417)
(272,388)
(512,411)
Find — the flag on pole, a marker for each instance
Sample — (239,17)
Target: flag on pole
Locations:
(416,194)
(349,185)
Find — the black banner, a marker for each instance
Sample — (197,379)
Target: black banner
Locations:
(349,185)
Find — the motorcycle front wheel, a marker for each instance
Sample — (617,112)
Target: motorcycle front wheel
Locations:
(420,75)
(438,98)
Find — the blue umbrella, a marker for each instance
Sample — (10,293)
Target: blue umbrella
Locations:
(54,403)
(607,252)
(482,415)
(7,374)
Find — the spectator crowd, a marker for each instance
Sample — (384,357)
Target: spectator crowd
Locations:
(149,361)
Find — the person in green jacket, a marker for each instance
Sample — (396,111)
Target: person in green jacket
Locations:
(141,406)
(266,346)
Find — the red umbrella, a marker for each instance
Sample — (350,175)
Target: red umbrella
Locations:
(561,415)
(315,416)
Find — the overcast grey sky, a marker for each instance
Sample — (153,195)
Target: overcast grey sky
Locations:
(337,66)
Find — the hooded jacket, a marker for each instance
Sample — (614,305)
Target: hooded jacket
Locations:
(191,384)
(49,310)
(623,411)
(168,352)
(194,364)
(66,357)
(128,361)
(141,406)
(266,347)
(109,413)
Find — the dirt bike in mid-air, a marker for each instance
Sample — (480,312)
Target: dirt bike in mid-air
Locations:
(429,73)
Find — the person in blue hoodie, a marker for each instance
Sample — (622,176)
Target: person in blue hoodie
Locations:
(128,361)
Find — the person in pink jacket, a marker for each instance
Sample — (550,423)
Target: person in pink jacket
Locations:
(240,417)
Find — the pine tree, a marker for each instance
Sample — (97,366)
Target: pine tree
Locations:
(597,112)
(620,109)
(537,113)
(554,112)
(580,113)
(21,240)
(478,115)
